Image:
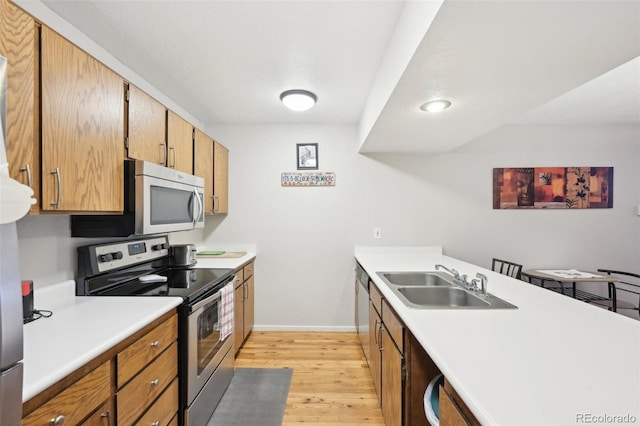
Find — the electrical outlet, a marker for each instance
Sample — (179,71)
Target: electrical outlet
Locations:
(377,233)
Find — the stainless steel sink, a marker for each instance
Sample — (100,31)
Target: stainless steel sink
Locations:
(436,290)
(448,298)
(441,297)
(431,278)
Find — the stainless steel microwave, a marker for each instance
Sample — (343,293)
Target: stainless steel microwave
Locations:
(157,200)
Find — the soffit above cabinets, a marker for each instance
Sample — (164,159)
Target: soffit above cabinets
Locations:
(373,63)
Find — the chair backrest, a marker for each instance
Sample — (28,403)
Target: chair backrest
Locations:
(506,267)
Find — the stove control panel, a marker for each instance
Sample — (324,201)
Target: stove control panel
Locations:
(116,255)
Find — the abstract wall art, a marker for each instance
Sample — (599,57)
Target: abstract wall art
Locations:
(553,188)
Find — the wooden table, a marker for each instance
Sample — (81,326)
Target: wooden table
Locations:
(544,276)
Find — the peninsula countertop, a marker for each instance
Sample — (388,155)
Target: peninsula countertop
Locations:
(553,361)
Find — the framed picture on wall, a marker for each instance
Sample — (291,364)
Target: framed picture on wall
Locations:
(307,156)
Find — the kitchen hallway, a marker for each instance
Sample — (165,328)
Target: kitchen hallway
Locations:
(331,383)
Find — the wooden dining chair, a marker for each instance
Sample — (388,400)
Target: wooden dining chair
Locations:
(624,283)
(506,267)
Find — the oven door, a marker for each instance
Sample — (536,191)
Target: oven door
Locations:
(164,205)
(205,349)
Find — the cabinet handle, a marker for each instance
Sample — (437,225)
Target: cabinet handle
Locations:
(215,203)
(27,169)
(105,415)
(173,149)
(380,348)
(156,423)
(57,420)
(154,382)
(375,336)
(56,173)
(164,154)
(155,344)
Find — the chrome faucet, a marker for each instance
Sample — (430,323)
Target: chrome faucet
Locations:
(458,279)
(461,280)
(483,284)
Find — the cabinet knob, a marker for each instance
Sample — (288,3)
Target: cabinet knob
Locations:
(155,344)
(57,421)
(155,382)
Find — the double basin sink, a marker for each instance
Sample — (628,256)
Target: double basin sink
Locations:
(436,290)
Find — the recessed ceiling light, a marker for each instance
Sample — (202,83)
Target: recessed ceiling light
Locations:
(298,100)
(436,105)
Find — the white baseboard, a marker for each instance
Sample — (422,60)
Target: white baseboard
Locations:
(345,328)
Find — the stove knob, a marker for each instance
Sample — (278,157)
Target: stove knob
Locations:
(117,255)
(105,258)
(159,246)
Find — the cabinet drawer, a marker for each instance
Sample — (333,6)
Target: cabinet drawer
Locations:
(240,276)
(144,350)
(77,401)
(136,396)
(104,416)
(375,297)
(248,271)
(164,409)
(393,325)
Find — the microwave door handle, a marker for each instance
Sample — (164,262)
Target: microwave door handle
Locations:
(196,200)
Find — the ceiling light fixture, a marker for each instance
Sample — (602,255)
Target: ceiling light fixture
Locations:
(298,100)
(436,105)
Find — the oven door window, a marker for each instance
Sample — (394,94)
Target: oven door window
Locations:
(169,205)
(208,335)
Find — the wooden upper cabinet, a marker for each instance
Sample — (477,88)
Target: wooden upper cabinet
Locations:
(179,143)
(147,127)
(220,179)
(18,43)
(82,130)
(203,165)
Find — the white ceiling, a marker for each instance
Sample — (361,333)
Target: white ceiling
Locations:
(499,62)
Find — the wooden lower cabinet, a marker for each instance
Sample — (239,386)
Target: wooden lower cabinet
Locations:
(143,391)
(244,304)
(103,416)
(387,363)
(73,404)
(139,394)
(375,361)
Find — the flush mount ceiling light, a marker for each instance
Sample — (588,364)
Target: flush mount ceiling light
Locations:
(298,100)
(435,105)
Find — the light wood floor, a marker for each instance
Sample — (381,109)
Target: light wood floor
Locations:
(331,383)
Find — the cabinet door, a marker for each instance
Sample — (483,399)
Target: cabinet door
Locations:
(238,313)
(147,127)
(220,179)
(18,44)
(374,348)
(450,414)
(82,130)
(391,380)
(180,143)
(203,165)
(248,306)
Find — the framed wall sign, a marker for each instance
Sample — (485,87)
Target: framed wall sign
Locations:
(307,156)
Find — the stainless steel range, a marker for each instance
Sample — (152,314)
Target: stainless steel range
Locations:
(141,267)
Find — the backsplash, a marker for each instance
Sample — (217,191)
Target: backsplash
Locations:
(48,253)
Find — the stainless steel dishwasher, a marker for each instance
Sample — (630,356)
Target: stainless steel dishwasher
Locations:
(362,309)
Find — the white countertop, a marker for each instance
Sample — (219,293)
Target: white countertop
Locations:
(80,329)
(547,363)
(226,262)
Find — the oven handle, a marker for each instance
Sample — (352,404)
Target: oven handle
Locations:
(215,296)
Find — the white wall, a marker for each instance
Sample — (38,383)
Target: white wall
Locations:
(305,236)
